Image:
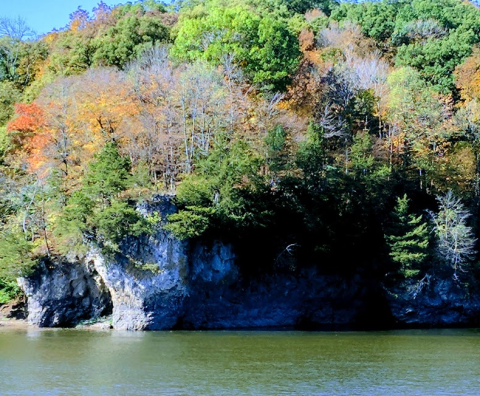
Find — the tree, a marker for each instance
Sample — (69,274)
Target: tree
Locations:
(408,239)
(224,192)
(128,39)
(107,176)
(16,28)
(155,143)
(98,211)
(16,258)
(455,240)
(9,95)
(29,118)
(8,291)
(277,150)
(117,221)
(311,157)
(71,225)
(376,19)
(361,158)
(110,37)
(25,130)
(433,36)
(302,6)
(260,43)
(467,119)
(20,61)
(181,111)
(467,76)
(436,59)
(420,131)
(23,227)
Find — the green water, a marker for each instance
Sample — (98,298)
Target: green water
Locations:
(71,362)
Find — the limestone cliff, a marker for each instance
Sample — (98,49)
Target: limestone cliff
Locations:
(63,294)
(159,282)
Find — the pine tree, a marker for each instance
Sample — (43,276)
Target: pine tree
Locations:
(108,175)
(408,240)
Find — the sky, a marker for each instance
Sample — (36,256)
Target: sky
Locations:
(45,15)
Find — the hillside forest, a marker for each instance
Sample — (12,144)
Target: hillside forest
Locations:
(308,132)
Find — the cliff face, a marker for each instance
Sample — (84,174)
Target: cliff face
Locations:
(146,298)
(64,294)
(159,283)
(439,303)
(199,290)
(193,285)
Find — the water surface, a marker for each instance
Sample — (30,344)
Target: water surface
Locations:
(74,362)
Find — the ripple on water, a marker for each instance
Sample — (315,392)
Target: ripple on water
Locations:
(72,362)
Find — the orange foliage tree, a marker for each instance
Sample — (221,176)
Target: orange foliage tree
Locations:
(467,76)
(28,135)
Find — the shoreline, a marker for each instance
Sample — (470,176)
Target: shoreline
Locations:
(6,323)
(22,324)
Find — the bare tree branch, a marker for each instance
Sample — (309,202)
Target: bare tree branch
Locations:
(16,28)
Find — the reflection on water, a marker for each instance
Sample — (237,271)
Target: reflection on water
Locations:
(72,362)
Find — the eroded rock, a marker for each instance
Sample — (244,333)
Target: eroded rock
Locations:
(63,294)
(159,282)
(439,303)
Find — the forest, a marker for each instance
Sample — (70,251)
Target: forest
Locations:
(308,132)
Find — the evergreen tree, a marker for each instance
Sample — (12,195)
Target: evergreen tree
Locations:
(311,157)
(408,239)
(97,209)
(360,153)
(108,175)
(226,189)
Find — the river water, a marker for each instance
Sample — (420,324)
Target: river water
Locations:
(74,362)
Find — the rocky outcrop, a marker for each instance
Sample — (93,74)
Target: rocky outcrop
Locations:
(176,285)
(149,286)
(160,282)
(204,290)
(148,280)
(64,294)
(434,303)
(301,299)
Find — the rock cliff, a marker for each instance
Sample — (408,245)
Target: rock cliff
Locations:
(64,294)
(160,282)
(438,303)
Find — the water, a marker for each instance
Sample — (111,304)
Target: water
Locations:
(73,362)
